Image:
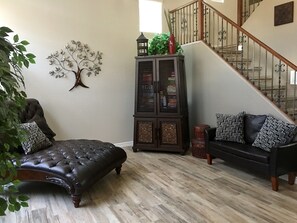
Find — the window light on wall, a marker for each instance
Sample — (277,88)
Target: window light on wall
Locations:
(150,16)
(220,1)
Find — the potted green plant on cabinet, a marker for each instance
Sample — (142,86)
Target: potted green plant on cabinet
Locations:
(158,45)
(13,57)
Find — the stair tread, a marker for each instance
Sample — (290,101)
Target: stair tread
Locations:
(258,78)
(238,60)
(272,88)
(233,52)
(250,69)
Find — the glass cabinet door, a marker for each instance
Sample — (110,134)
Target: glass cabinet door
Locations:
(168,100)
(145,95)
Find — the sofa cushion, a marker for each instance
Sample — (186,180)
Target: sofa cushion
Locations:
(42,124)
(230,127)
(252,126)
(242,150)
(36,140)
(274,133)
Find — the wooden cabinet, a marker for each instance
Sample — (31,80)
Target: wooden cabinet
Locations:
(161,111)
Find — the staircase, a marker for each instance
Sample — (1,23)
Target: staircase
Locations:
(264,68)
(247,8)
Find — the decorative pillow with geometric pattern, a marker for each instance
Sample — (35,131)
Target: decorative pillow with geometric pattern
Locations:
(274,133)
(36,140)
(230,127)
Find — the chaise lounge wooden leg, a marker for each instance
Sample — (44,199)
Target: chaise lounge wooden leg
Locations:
(209,159)
(76,200)
(291,178)
(118,169)
(274,182)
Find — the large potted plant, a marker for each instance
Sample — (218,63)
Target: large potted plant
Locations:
(158,45)
(13,57)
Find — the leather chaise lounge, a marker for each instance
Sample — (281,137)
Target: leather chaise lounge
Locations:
(72,164)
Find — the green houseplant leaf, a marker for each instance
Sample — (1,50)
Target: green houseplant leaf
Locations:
(158,45)
(12,101)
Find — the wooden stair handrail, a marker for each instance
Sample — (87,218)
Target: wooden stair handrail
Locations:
(183,6)
(274,53)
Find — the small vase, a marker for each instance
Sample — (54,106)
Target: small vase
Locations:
(171,44)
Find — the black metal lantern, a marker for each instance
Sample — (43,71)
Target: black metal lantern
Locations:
(142,45)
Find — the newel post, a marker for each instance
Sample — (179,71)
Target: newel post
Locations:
(200,20)
(239,12)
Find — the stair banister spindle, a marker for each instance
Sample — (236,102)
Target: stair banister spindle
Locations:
(286,88)
(253,66)
(248,52)
(272,73)
(189,26)
(207,25)
(200,19)
(239,12)
(259,65)
(295,88)
(265,82)
(212,25)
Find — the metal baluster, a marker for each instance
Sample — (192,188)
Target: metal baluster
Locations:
(259,66)
(272,75)
(195,22)
(253,63)
(227,33)
(248,54)
(213,27)
(183,25)
(279,69)
(295,87)
(286,88)
(265,86)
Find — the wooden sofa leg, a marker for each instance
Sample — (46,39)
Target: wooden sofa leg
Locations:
(209,159)
(274,182)
(76,200)
(291,178)
(118,169)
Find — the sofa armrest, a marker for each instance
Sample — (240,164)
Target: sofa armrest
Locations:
(283,159)
(210,134)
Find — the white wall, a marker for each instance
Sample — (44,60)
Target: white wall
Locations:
(280,38)
(215,87)
(104,111)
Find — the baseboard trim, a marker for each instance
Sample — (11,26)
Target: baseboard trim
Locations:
(124,144)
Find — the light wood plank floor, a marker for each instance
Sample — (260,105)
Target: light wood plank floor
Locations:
(160,187)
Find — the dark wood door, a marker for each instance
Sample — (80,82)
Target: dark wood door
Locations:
(169,131)
(145,133)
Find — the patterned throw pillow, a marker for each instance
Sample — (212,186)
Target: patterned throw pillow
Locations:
(274,133)
(36,140)
(230,127)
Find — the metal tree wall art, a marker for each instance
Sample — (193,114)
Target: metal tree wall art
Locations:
(76,58)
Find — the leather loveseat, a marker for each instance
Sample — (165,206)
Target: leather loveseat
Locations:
(278,161)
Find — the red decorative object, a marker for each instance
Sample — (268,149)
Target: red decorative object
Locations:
(171,44)
(198,143)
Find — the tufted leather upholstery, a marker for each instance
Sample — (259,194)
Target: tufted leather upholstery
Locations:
(34,112)
(72,164)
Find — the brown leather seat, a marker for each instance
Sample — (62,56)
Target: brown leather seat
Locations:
(72,164)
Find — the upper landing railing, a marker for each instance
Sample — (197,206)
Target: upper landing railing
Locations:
(266,69)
